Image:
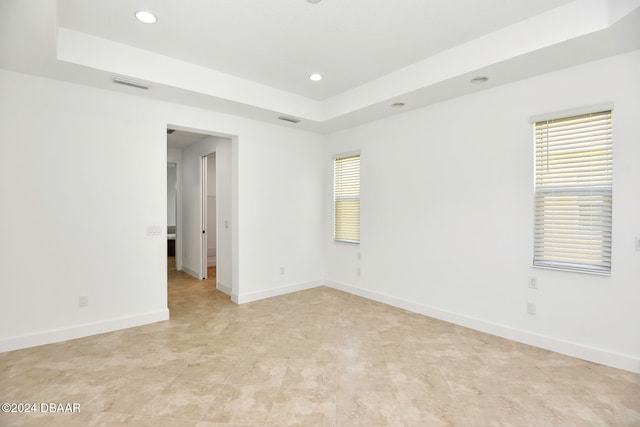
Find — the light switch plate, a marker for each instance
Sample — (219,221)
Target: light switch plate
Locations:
(154,230)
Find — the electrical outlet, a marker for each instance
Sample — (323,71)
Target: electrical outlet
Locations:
(533,282)
(281,270)
(531,308)
(83,301)
(637,243)
(358,271)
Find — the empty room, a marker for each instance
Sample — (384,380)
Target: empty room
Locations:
(320,213)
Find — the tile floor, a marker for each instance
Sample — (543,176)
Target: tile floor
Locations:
(314,358)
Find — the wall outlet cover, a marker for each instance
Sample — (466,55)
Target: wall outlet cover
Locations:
(531,308)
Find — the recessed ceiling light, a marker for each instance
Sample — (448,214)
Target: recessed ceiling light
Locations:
(314,1)
(315,77)
(398,104)
(146,17)
(478,80)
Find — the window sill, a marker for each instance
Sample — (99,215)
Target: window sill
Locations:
(347,242)
(573,270)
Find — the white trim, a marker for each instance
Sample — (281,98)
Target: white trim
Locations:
(571,112)
(598,355)
(274,292)
(204,161)
(191,272)
(346,242)
(82,330)
(225,289)
(347,154)
(178,161)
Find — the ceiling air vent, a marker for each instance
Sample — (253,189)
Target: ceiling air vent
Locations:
(289,119)
(131,83)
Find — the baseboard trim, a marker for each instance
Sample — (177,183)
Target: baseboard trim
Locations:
(81,331)
(191,272)
(223,288)
(274,292)
(569,348)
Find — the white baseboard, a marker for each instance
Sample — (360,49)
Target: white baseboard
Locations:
(274,292)
(569,348)
(211,262)
(225,289)
(191,272)
(80,331)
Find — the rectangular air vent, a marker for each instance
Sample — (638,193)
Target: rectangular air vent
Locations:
(289,119)
(131,83)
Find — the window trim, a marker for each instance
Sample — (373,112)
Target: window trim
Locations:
(571,112)
(601,192)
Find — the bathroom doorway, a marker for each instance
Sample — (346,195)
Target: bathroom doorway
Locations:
(188,147)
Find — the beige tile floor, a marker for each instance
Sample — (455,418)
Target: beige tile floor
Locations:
(314,358)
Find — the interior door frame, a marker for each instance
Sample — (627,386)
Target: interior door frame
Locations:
(204,259)
(231,286)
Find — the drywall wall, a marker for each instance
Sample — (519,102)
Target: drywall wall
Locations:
(285,214)
(224,196)
(447,215)
(85,173)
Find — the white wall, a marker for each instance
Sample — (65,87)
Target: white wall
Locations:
(85,173)
(224,196)
(447,205)
(285,215)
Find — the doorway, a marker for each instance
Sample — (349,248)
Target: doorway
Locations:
(206,245)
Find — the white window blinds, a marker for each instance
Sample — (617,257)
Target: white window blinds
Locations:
(347,199)
(573,193)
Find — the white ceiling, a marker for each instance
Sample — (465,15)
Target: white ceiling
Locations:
(279,43)
(253,57)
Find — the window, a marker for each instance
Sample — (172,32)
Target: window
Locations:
(346,198)
(573,193)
